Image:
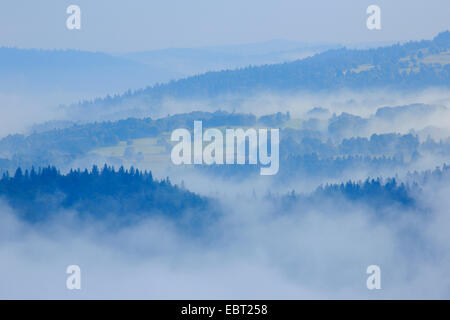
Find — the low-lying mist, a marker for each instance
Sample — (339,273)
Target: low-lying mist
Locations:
(22,112)
(256,250)
(362,103)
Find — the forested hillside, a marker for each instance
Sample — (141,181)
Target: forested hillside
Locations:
(409,66)
(121,195)
(309,147)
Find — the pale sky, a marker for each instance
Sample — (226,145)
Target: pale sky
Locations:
(135,25)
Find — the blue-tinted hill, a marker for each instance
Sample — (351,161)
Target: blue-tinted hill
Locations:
(79,75)
(410,66)
(124,194)
(71,73)
(189,61)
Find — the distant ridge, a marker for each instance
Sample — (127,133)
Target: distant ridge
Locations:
(409,66)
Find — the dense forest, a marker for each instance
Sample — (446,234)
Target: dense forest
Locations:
(98,194)
(80,138)
(317,147)
(127,195)
(398,66)
(384,195)
(376,193)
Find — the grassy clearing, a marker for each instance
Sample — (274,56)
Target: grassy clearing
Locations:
(443,58)
(146,146)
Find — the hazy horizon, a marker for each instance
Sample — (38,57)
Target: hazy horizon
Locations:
(142,25)
(227,46)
